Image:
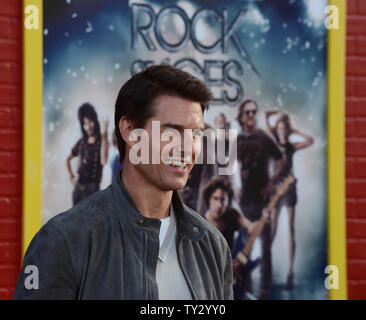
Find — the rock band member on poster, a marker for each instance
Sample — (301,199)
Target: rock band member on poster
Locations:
(218,195)
(202,173)
(92,150)
(136,239)
(282,130)
(255,150)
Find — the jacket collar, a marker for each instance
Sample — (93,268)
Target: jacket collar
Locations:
(129,213)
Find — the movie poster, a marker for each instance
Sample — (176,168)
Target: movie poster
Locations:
(270,55)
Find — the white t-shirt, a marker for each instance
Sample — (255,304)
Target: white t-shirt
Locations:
(163,229)
(169,276)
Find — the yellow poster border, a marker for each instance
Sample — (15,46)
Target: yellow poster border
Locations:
(32,134)
(32,119)
(336,61)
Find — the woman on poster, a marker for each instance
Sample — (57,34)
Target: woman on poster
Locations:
(92,150)
(282,130)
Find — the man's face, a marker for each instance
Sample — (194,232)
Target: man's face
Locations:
(174,114)
(219,201)
(88,126)
(249,115)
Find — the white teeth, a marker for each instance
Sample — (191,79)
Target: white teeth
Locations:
(176,163)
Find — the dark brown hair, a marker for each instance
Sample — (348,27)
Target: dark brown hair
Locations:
(286,121)
(241,110)
(86,110)
(137,95)
(214,184)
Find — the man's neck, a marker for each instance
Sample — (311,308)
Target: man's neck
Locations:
(249,129)
(150,201)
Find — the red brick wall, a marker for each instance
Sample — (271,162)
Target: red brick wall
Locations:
(11,146)
(356,148)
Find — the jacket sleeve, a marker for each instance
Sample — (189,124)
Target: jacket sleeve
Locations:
(228,274)
(47,269)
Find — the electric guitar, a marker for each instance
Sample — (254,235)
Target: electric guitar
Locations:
(244,242)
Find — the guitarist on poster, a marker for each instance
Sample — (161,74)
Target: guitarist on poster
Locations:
(242,264)
(255,150)
(218,195)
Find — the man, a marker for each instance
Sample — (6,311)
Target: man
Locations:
(202,173)
(255,150)
(220,144)
(136,239)
(92,150)
(218,195)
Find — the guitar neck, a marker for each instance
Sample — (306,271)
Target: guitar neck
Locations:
(272,203)
(263,220)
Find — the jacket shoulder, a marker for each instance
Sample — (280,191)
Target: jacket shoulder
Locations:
(204,225)
(86,214)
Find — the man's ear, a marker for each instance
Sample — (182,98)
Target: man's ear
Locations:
(126,126)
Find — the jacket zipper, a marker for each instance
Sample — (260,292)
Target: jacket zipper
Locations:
(181,264)
(145,281)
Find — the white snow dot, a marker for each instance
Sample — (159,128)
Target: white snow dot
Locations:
(74,15)
(266,29)
(111,27)
(117,65)
(45,32)
(45,61)
(89,27)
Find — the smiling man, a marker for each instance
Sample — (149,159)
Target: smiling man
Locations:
(136,239)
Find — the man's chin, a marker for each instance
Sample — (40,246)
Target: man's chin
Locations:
(176,184)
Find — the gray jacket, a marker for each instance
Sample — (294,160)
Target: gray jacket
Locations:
(103,248)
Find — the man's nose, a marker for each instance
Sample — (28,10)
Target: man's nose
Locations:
(187,144)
